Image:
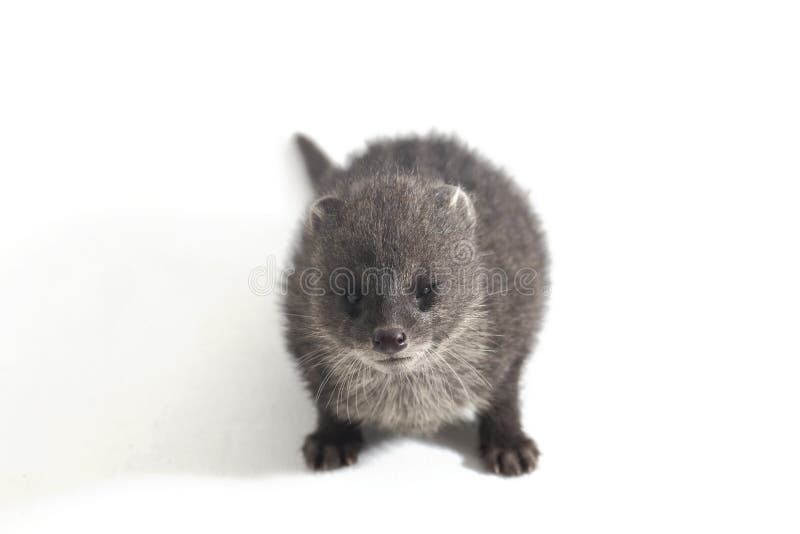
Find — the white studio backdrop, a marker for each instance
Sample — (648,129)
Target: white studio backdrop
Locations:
(146,171)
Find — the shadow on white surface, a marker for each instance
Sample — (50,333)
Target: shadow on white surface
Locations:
(461,439)
(136,345)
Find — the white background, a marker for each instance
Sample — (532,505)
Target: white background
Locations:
(146,169)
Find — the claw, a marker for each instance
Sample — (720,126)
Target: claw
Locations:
(512,460)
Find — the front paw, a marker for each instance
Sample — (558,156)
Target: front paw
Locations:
(326,451)
(512,458)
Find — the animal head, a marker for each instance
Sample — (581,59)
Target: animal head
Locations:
(391,272)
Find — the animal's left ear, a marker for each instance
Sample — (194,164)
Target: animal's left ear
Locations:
(454,200)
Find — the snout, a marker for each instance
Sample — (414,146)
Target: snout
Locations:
(389,340)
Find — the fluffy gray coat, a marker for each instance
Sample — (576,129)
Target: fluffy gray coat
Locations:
(419,285)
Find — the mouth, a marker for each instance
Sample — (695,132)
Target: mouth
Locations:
(400,362)
(395,361)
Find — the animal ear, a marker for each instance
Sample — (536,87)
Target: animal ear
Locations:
(318,165)
(453,199)
(323,209)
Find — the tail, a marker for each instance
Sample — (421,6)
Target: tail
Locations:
(318,166)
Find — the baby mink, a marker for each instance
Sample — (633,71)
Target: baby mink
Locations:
(419,286)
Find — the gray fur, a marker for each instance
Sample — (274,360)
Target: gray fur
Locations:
(416,208)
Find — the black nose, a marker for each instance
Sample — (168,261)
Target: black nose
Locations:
(389,340)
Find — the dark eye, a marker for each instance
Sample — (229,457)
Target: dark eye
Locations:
(425,295)
(349,303)
(424,290)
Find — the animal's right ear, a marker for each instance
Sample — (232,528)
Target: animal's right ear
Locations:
(322,210)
